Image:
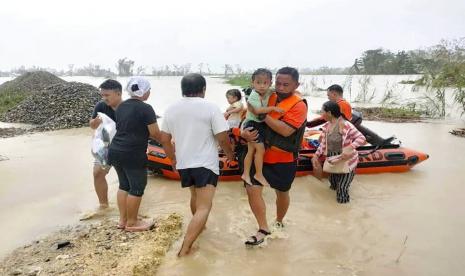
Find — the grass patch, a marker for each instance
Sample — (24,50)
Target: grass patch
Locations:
(391,114)
(407,82)
(240,80)
(10,99)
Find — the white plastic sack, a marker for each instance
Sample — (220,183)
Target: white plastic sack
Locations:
(102,139)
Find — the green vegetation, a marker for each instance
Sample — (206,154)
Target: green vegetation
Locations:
(459,98)
(390,97)
(443,63)
(242,80)
(419,81)
(365,95)
(15,91)
(325,70)
(10,99)
(384,62)
(444,68)
(391,114)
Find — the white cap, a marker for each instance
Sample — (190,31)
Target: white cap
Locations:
(143,86)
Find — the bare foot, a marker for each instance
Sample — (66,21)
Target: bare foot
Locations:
(103,206)
(246,178)
(142,216)
(193,249)
(87,215)
(188,251)
(140,226)
(98,212)
(261,179)
(121,225)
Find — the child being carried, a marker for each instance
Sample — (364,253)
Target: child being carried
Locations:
(257,106)
(234,111)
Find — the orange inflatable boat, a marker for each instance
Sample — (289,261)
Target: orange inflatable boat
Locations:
(389,158)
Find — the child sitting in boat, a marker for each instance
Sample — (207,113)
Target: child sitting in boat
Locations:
(257,106)
(235,109)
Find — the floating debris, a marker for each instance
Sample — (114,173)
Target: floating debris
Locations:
(458,132)
(10,132)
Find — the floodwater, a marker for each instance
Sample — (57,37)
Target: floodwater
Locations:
(361,90)
(396,224)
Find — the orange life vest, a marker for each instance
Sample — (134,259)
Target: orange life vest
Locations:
(285,104)
(291,143)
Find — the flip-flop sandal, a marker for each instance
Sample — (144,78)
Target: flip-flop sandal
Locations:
(120,226)
(255,240)
(145,227)
(261,183)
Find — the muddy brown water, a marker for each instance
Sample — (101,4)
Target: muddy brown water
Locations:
(404,224)
(396,224)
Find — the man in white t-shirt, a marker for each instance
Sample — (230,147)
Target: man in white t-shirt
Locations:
(197,127)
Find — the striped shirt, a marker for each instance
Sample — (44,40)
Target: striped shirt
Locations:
(350,137)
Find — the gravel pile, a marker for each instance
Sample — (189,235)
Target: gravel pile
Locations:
(58,106)
(30,82)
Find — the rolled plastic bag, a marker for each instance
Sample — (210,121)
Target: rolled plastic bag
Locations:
(102,139)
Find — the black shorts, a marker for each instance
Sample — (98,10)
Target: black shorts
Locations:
(279,175)
(132,180)
(131,170)
(198,177)
(260,127)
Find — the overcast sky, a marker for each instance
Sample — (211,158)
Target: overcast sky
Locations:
(252,33)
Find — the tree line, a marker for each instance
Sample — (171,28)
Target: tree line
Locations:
(446,60)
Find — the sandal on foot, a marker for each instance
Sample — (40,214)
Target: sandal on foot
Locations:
(246,181)
(255,241)
(262,181)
